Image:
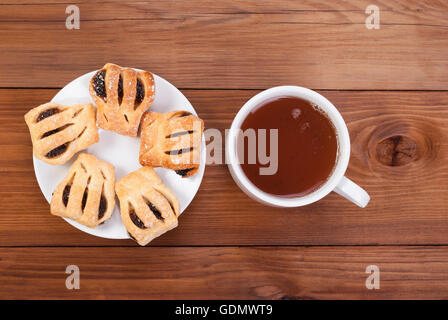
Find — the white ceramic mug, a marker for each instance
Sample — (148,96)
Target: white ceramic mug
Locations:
(336,182)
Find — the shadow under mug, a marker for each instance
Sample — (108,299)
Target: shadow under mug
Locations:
(336,182)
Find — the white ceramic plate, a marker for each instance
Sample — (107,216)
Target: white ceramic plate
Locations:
(122,152)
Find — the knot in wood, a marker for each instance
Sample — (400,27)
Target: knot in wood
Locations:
(396,151)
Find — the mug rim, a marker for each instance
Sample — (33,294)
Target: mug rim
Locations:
(341,133)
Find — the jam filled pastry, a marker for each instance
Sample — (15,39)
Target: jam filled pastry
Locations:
(148,208)
(121,96)
(171,140)
(58,132)
(86,194)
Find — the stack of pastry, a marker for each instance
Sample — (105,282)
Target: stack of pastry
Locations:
(87,194)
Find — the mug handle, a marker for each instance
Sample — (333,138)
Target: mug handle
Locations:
(351,191)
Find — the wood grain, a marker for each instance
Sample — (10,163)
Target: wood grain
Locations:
(224,273)
(230,44)
(409,193)
(228,246)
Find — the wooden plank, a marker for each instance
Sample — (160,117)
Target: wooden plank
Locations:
(230,44)
(409,199)
(224,273)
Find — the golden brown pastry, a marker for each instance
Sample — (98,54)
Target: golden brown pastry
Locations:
(148,208)
(121,96)
(171,140)
(58,132)
(86,194)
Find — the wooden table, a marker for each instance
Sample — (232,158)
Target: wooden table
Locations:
(389,84)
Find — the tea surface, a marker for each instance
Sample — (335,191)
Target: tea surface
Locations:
(307,147)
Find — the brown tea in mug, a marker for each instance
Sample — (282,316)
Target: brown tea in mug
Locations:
(307,147)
